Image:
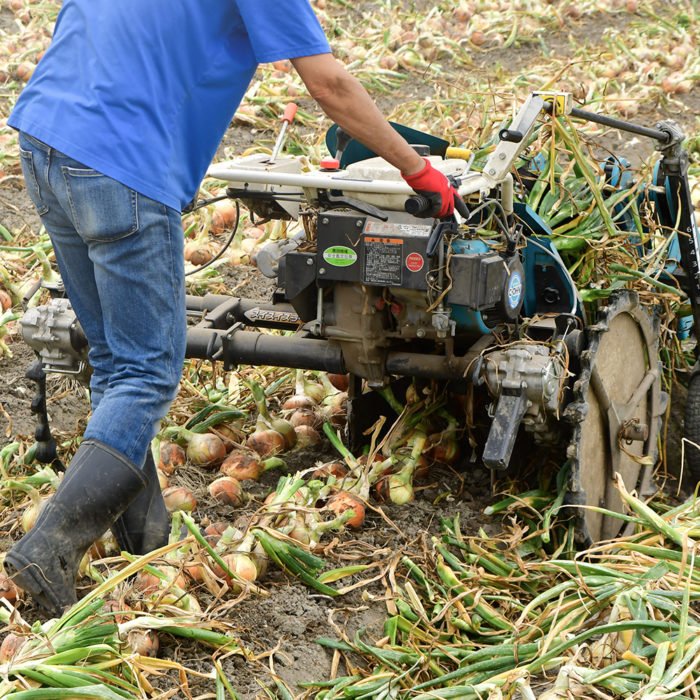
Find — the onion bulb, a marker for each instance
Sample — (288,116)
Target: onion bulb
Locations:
(266,442)
(163,480)
(30,514)
(344,501)
(307,436)
(179,498)
(149,583)
(242,466)
(337,469)
(300,399)
(171,457)
(259,557)
(5,300)
(213,531)
(240,564)
(223,217)
(10,647)
(340,381)
(305,416)
(266,439)
(446,450)
(205,450)
(400,490)
(286,430)
(8,589)
(143,642)
(227,491)
(118,609)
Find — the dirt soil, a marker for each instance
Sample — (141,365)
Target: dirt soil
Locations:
(280,630)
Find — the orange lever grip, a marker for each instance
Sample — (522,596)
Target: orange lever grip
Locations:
(289,113)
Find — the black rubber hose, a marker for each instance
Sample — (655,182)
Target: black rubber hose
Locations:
(691,429)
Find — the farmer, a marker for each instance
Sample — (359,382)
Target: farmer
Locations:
(117,128)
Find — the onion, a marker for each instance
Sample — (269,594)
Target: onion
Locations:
(104,546)
(150,583)
(242,466)
(266,442)
(171,456)
(344,501)
(195,571)
(143,642)
(30,514)
(118,608)
(381,488)
(422,468)
(315,390)
(286,430)
(307,436)
(8,589)
(205,450)
(10,647)
(179,498)
(295,527)
(477,37)
(298,401)
(337,469)
(228,491)
(305,416)
(259,557)
(163,481)
(340,381)
(24,71)
(198,253)
(240,564)
(446,450)
(400,490)
(335,409)
(213,531)
(223,217)
(267,439)
(5,300)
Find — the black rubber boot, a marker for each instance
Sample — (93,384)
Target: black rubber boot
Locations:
(98,486)
(144,525)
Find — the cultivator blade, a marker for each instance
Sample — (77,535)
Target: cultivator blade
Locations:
(615,415)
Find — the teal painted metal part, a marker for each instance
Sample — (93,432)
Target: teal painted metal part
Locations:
(533,256)
(468,320)
(684,326)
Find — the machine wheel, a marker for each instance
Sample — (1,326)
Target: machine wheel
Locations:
(614,414)
(691,426)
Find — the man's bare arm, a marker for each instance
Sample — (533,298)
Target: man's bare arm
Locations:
(346,102)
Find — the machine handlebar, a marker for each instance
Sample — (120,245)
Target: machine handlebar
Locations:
(418,204)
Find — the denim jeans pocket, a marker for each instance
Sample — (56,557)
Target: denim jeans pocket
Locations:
(102,208)
(30,181)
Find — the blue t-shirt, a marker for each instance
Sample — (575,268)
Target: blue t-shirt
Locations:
(144,91)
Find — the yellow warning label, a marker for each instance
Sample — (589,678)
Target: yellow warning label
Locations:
(376,239)
(562,101)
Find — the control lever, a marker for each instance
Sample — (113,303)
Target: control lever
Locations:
(342,139)
(435,238)
(287,118)
(418,204)
(510,410)
(331,202)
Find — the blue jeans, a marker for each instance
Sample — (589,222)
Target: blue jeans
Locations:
(120,255)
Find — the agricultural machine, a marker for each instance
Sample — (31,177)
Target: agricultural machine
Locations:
(373,286)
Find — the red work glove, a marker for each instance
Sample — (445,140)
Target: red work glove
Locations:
(431,183)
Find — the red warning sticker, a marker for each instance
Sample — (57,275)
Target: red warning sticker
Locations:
(414,262)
